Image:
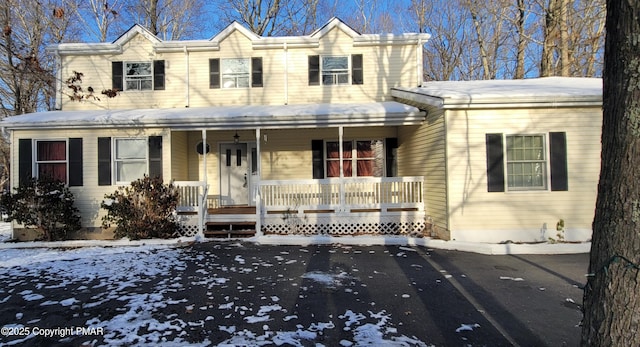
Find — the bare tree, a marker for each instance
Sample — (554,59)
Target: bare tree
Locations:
(262,17)
(522,38)
(98,17)
(369,17)
(611,302)
(26,71)
(168,19)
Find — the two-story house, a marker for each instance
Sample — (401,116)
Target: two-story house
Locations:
(328,133)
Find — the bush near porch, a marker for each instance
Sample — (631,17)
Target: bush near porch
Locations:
(143,210)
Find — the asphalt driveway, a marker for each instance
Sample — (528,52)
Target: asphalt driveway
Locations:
(231,293)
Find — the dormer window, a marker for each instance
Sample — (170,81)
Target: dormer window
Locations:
(138,75)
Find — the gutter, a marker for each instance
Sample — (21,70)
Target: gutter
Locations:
(415,97)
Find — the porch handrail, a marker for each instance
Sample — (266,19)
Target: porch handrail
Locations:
(192,197)
(343,194)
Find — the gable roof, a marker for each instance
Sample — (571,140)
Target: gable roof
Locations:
(258,42)
(545,91)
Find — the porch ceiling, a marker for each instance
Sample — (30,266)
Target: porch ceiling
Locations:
(227,117)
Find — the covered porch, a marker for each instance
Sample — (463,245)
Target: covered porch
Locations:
(332,172)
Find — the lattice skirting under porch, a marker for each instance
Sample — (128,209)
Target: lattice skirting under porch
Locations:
(188,225)
(349,224)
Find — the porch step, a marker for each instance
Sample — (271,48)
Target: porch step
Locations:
(230,229)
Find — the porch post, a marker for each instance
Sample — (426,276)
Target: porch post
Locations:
(257,184)
(202,210)
(341,184)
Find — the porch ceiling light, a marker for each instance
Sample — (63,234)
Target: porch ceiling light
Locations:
(236,137)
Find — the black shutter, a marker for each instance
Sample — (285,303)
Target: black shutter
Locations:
(158,75)
(256,72)
(155,156)
(116,75)
(318,158)
(104,161)
(392,156)
(495,163)
(25,160)
(214,73)
(75,162)
(558,161)
(356,69)
(314,70)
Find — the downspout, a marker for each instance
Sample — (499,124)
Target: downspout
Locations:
(286,74)
(186,62)
(419,62)
(258,177)
(58,62)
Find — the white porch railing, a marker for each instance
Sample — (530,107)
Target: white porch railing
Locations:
(343,195)
(192,197)
(349,206)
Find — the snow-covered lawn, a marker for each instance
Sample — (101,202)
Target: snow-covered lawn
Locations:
(175,296)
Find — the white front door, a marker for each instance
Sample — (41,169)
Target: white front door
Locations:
(234,171)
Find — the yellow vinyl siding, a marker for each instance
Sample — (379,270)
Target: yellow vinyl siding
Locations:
(473,208)
(285,74)
(421,152)
(89,196)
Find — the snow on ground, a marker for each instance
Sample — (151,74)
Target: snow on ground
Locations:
(5,231)
(101,277)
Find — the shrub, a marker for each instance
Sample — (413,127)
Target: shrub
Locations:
(45,204)
(143,210)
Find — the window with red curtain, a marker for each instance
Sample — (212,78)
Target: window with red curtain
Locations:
(367,159)
(370,158)
(333,158)
(51,159)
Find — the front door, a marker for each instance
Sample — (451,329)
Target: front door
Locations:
(234,169)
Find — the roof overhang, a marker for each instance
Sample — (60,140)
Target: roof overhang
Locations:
(484,94)
(226,117)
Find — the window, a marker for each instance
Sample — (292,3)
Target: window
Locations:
(60,159)
(51,159)
(130,159)
(533,162)
(361,158)
(332,70)
(526,162)
(138,75)
(335,70)
(235,73)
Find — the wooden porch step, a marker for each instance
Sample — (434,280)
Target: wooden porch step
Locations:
(230,229)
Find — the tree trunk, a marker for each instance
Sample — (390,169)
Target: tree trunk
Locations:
(522,43)
(550,35)
(563,45)
(612,299)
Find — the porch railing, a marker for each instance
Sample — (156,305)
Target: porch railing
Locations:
(192,197)
(343,195)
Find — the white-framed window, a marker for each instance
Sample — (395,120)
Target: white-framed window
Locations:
(526,159)
(130,159)
(335,69)
(361,158)
(51,159)
(138,76)
(236,72)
